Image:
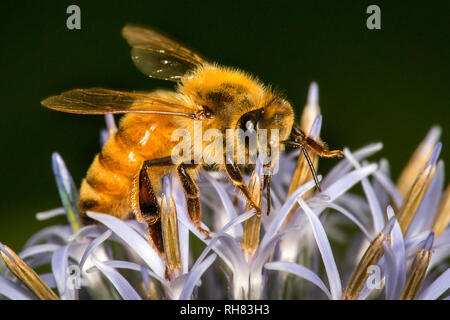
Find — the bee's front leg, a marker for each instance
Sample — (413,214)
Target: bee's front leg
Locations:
(235,175)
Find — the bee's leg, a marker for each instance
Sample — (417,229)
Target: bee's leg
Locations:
(311,167)
(235,175)
(321,149)
(316,146)
(266,184)
(192,197)
(146,208)
(298,132)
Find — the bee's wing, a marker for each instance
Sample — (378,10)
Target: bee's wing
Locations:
(157,56)
(101,101)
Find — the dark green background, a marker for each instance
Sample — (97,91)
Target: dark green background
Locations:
(388,85)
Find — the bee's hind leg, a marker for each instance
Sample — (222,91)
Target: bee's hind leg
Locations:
(146,208)
(191,190)
(145,201)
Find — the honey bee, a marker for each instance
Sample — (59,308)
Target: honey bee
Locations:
(125,178)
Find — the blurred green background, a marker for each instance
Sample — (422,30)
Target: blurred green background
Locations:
(388,85)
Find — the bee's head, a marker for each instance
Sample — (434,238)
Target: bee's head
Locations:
(233,100)
(275,114)
(270,123)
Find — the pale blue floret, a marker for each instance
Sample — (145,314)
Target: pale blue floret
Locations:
(315,226)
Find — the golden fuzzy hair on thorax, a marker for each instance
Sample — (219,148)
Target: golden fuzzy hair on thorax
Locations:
(228,92)
(211,76)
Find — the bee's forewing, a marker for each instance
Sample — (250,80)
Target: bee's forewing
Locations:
(158,56)
(102,101)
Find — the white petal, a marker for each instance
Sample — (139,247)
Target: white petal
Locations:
(184,246)
(391,272)
(313,95)
(145,278)
(375,210)
(194,276)
(60,232)
(344,165)
(104,136)
(49,279)
(345,212)
(110,123)
(216,238)
(38,249)
(92,231)
(122,286)
(316,126)
(380,191)
(60,269)
(344,183)
(439,255)
(117,264)
(424,217)
(230,248)
(183,217)
(44,215)
(225,199)
(13,290)
(300,271)
(437,288)
(94,244)
(133,239)
(68,192)
(264,251)
(389,187)
(281,215)
(325,251)
(355,204)
(398,250)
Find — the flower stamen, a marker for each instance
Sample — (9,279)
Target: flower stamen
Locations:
(418,161)
(26,275)
(169,226)
(310,113)
(418,191)
(442,218)
(371,257)
(252,227)
(418,270)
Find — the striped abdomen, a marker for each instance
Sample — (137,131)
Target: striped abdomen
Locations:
(107,187)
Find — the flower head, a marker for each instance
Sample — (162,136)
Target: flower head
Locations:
(389,242)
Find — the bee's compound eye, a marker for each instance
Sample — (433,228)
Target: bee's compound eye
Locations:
(249,121)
